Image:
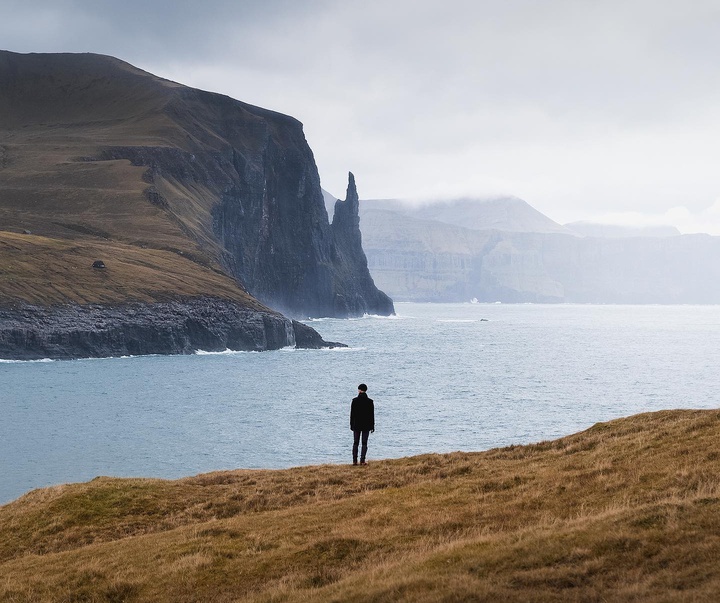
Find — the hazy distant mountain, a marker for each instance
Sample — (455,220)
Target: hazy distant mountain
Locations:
(509,214)
(428,260)
(590,229)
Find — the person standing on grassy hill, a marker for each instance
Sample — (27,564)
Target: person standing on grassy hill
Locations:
(362,422)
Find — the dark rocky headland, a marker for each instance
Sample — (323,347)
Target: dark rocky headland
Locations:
(141,216)
(177,327)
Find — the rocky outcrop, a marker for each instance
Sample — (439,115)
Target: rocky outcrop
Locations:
(354,292)
(308,338)
(32,332)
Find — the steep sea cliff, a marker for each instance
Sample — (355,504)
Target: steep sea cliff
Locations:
(203,215)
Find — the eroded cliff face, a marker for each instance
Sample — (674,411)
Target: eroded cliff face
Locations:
(262,216)
(422,260)
(189,197)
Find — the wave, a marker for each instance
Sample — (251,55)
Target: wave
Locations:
(82,359)
(289,348)
(456,320)
(227,352)
(8,361)
(351,318)
(348,349)
(376,317)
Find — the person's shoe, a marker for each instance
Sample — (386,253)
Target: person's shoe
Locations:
(363,463)
(354,462)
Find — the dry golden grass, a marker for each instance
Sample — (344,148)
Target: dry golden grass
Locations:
(52,130)
(77,212)
(625,511)
(43,270)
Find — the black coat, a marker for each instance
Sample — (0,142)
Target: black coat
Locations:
(362,413)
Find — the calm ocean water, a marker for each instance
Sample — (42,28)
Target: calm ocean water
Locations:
(444,377)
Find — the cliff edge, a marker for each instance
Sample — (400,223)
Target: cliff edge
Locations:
(179,195)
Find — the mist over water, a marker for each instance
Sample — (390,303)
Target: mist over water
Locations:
(444,377)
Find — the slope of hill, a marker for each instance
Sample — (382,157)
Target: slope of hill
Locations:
(626,511)
(180,192)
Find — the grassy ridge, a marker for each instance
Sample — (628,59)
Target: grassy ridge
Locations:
(55,223)
(627,510)
(44,271)
(62,203)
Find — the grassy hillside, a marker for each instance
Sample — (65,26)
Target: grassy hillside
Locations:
(58,209)
(625,511)
(64,197)
(45,270)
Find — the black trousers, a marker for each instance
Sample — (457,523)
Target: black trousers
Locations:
(365,433)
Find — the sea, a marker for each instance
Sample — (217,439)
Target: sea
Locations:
(444,377)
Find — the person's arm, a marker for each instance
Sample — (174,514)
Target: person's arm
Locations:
(352,415)
(372,416)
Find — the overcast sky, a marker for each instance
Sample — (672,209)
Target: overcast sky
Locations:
(604,110)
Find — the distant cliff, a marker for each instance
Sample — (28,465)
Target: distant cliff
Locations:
(428,260)
(96,155)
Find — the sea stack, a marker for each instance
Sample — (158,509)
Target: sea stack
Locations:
(355,293)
